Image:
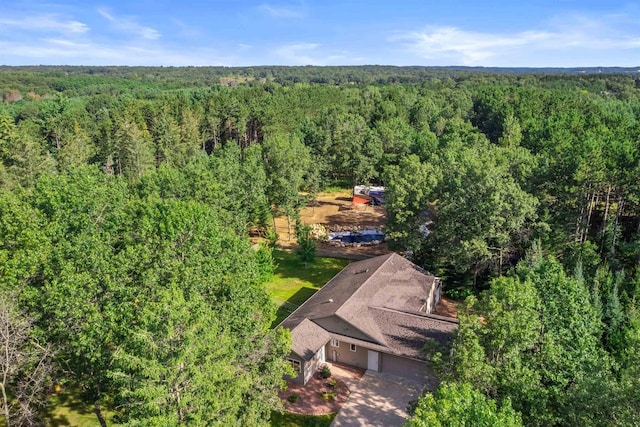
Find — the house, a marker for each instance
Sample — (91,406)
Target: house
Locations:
(375,314)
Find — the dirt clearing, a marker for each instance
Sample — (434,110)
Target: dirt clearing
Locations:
(336,212)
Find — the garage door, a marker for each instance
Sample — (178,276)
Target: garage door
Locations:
(406,368)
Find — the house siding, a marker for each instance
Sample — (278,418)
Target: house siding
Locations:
(299,379)
(308,368)
(311,367)
(356,358)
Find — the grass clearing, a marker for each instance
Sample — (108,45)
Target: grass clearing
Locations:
(337,190)
(293,282)
(66,409)
(294,420)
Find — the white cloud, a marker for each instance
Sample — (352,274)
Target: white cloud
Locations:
(455,45)
(469,47)
(68,43)
(47,38)
(282,11)
(310,54)
(58,51)
(129,26)
(45,23)
(298,53)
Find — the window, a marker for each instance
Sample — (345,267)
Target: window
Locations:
(352,347)
(295,364)
(335,343)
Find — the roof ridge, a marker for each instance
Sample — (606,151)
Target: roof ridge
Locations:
(340,311)
(420,314)
(366,334)
(362,285)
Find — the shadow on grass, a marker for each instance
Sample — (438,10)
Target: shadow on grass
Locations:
(294,282)
(67,409)
(289,306)
(294,420)
(301,296)
(318,272)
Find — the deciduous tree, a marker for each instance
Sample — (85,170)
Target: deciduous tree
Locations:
(458,404)
(25,366)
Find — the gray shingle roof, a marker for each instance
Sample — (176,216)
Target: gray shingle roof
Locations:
(405,334)
(376,301)
(308,334)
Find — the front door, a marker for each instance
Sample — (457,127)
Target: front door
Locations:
(335,356)
(372,361)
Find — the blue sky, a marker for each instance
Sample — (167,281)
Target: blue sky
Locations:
(559,33)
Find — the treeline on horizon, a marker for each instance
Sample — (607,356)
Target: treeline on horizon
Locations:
(60,78)
(136,187)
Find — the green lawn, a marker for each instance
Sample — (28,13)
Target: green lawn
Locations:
(65,409)
(294,420)
(293,282)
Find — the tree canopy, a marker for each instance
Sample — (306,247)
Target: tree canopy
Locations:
(127,196)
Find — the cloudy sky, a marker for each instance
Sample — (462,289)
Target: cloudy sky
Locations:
(544,33)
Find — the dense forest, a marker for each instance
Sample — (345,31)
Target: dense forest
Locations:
(127,196)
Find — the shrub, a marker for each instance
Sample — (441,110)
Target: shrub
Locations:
(327,395)
(306,245)
(293,398)
(264,256)
(324,395)
(272,238)
(325,372)
(458,294)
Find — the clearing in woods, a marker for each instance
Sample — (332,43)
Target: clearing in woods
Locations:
(335,211)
